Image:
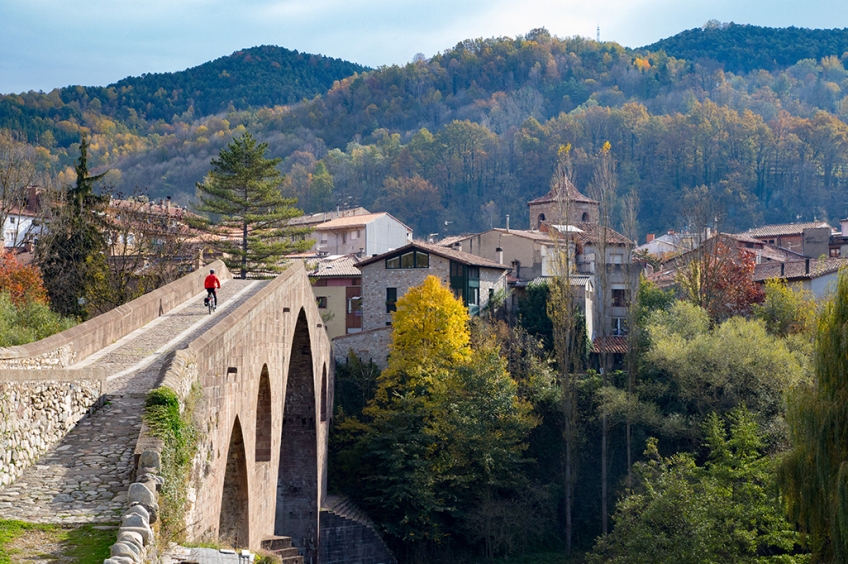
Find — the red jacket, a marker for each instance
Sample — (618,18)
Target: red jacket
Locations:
(211,282)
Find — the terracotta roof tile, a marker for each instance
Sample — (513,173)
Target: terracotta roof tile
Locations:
(615,345)
(339,266)
(571,193)
(784,229)
(352,221)
(797,269)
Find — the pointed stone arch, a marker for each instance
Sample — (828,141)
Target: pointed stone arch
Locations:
(263,417)
(297,481)
(234,520)
(325,408)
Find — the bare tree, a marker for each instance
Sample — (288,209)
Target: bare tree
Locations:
(602,189)
(629,222)
(566,335)
(148,245)
(17,174)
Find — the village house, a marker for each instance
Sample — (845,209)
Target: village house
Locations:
(364,235)
(21,227)
(810,239)
(387,277)
(337,285)
(814,275)
(313,219)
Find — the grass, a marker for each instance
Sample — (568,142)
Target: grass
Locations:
(78,545)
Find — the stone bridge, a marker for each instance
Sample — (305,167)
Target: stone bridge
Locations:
(71,406)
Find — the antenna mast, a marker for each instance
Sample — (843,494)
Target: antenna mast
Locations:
(599,33)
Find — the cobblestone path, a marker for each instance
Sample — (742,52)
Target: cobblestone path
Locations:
(85,478)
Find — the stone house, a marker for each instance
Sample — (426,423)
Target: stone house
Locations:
(387,277)
(337,285)
(361,235)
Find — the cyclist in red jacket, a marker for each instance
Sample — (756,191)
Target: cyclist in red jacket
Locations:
(211,283)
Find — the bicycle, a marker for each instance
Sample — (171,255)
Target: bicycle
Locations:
(209,302)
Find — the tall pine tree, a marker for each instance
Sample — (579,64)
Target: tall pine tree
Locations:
(243,190)
(73,245)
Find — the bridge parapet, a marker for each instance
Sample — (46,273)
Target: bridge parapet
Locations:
(73,345)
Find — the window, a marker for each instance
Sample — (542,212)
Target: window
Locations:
(473,296)
(354,305)
(412,259)
(391,300)
(322,302)
(12,220)
(619,298)
(619,326)
(473,271)
(344,238)
(457,269)
(354,235)
(541,218)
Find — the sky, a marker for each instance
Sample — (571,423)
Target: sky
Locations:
(46,44)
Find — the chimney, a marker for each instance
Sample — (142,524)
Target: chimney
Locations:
(500,255)
(650,237)
(168,204)
(807,266)
(507,223)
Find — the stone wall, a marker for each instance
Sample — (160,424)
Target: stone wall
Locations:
(37,410)
(370,345)
(376,278)
(346,541)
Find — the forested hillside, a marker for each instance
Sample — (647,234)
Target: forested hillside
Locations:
(250,78)
(472,133)
(744,48)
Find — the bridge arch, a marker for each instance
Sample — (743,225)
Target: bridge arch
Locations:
(297,508)
(234,521)
(263,417)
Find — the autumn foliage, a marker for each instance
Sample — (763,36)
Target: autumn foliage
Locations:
(719,279)
(23,282)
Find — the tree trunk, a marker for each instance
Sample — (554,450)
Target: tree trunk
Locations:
(244,251)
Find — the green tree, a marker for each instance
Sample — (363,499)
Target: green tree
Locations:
(445,427)
(320,187)
(70,253)
(725,511)
(704,370)
(814,473)
(243,190)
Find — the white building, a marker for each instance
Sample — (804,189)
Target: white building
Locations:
(362,235)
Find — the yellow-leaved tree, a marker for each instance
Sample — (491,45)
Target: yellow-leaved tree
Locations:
(445,428)
(429,330)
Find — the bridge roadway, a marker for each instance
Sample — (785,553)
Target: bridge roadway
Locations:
(85,478)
